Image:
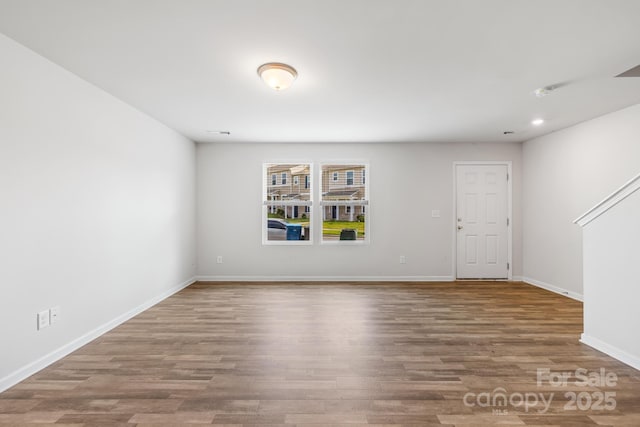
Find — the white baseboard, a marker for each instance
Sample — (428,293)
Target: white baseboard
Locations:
(552,288)
(326,278)
(33,367)
(615,352)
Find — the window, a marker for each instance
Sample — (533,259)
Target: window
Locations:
(349,177)
(306,181)
(296,180)
(286,211)
(364,174)
(343,204)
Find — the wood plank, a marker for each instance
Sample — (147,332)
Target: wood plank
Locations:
(395,354)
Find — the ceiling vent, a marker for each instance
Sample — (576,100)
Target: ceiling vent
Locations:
(633,72)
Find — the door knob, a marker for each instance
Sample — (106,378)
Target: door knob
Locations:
(459,227)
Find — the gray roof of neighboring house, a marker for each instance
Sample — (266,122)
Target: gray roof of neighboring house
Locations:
(289,195)
(340,193)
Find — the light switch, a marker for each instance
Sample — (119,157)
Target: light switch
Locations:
(54,314)
(43,319)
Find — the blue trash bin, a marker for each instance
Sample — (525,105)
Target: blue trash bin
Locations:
(294,231)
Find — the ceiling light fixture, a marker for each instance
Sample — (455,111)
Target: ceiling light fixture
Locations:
(547,90)
(219,132)
(277,75)
(537,122)
(542,92)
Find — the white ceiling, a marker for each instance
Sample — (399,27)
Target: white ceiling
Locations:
(369,70)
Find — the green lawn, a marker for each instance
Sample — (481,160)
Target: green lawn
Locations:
(333,228)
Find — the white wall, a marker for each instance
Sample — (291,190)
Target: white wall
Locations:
(565,174)
(406,181)
(611,281)
(97,209)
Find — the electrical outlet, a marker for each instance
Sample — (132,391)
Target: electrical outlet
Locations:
(219,260)
(43,319)
(54,314)
(403,259)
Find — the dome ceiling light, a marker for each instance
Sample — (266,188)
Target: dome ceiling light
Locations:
(277,75)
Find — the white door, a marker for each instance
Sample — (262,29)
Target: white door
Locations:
(482,222)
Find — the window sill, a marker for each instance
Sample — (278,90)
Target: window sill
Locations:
(344,242)
(287,242)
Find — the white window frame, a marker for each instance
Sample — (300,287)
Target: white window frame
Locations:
(322,204)
(266,204)
(283,178)
(335,177)
(296,180)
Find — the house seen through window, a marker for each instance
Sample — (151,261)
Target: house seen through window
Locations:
(344,198)
(287,206)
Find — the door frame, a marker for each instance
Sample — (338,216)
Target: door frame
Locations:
(454,254)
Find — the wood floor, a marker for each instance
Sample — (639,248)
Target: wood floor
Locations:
(326,354)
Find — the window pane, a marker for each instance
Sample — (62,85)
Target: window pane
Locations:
(288,223)
(287,205)
(351,187)
(340,223)
(345,186)
(287,189)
